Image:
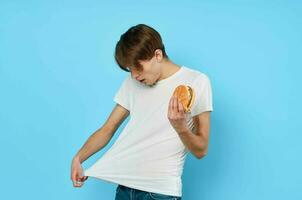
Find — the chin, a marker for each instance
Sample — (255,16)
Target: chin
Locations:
(153,84)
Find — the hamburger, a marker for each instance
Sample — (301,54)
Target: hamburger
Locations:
(185,95)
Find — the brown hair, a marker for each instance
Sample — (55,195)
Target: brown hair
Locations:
(137,43)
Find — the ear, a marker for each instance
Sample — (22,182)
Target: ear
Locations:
(158,55)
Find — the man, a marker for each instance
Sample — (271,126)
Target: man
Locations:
(147,159)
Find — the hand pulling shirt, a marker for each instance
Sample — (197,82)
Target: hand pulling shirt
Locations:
(149,155)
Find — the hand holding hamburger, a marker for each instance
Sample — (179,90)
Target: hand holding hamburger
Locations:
(180,104)
(186,96)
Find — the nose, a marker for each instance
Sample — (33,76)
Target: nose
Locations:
(135,75)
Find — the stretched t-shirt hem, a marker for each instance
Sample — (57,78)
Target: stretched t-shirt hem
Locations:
(138,187)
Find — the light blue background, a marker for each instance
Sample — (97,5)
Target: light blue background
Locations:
(58,78)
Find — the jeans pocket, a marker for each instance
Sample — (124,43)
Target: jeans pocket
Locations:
(157,196)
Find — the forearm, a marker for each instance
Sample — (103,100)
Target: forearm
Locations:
(98,140)
(194,143)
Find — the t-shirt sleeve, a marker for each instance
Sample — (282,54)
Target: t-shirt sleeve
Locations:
(203,95)
(122,96)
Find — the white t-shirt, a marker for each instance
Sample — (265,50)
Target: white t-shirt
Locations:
(148,154)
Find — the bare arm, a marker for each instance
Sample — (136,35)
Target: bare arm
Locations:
(100,138)
(197,143)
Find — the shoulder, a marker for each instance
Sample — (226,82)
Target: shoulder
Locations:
(127,80)
(198,76)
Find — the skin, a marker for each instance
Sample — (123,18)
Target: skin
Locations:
(155,69)
(196,143)
(158,68)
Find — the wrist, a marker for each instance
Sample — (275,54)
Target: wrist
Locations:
(184,131)
(77,159)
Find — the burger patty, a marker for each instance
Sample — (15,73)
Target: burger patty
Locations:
(191,94)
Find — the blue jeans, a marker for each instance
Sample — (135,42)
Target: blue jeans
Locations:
(127,193)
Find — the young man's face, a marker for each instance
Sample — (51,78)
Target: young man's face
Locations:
(150,73)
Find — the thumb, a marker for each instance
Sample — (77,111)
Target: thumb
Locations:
(82,177)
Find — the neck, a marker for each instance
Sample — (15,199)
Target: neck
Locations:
(168,68)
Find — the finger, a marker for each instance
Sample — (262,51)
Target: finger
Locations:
(73,176)
(175,105)
(77,180)
(180,107)
(75,184)
(170,106)
(78,184)
(80,177)
(84,178)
